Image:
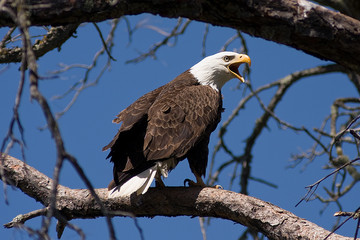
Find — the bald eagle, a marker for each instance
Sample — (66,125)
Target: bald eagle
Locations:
(169,124)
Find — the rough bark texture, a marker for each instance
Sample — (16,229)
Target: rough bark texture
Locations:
(274,222)
(297,23)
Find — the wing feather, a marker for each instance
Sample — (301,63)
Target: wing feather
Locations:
(179,120)
(134,113)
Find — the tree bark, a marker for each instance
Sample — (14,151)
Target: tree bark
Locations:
(297,23)
(274,222)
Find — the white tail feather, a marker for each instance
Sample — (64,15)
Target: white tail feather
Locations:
(148,182)
(139,183)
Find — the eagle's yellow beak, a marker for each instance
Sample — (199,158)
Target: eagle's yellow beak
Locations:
(235,63)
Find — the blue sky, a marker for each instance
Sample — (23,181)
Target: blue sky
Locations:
(87,126)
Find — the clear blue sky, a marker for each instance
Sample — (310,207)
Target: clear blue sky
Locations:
(87,126)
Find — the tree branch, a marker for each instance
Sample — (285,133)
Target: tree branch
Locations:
(53,39)
(297,23)
(261,216)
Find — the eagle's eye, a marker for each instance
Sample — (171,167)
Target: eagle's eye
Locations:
(226,58)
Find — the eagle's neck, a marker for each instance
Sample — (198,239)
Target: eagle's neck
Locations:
(207,75)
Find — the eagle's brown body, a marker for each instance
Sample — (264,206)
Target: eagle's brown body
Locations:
(169,124)
(172,122)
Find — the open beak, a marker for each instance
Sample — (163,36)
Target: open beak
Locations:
(236,62)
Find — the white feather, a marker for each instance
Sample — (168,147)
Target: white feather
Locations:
(148,182)
(139,183)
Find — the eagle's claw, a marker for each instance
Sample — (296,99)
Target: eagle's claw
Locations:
(191,183)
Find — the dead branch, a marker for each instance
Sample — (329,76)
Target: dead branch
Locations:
(55,38)
(313,187)
(297,23)
(179,29)
(274,222)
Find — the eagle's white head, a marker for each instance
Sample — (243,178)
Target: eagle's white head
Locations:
(217,69)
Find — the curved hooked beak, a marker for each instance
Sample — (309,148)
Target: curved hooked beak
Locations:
(236,62)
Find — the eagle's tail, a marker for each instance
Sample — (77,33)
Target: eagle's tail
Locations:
(139,183)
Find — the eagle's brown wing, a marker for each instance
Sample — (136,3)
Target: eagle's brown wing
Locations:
(180,119)
(133,114)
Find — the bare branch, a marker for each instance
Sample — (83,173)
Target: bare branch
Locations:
(354,215)
(55,38)
(290,22)
(85,83)
(10,136)
(22,218)
(7,37)
(103,42)
(274,222)
(178,30)
(312,188)
(348,7)
(341,133)
(205,36)
(19,221)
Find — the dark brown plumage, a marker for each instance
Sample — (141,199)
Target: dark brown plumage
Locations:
(159,125)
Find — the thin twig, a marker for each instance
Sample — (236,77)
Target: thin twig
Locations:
(340,225)
(178,30)
(84,83)
(15,120)
(205,36)
(103,42)
(312,188)
(7,37)
(22,218)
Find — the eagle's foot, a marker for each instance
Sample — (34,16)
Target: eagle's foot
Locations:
(191,183)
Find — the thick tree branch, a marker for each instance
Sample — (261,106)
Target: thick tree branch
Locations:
(269,219)
(296,23)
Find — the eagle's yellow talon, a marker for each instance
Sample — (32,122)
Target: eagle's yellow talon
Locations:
(191,183)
